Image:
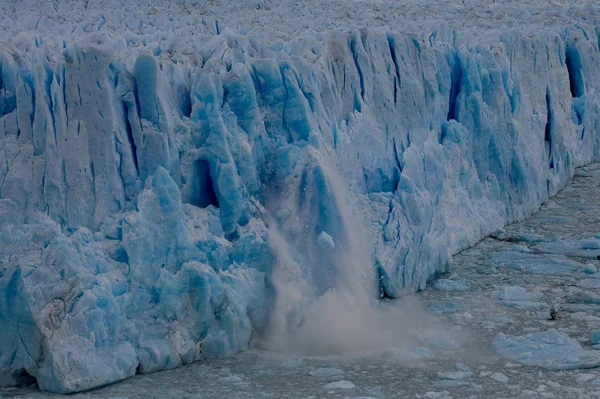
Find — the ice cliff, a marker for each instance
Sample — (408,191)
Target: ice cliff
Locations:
(140,182)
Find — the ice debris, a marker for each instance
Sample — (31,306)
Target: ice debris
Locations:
(499,377)
(584,377)
(326,372)
(232,379)
(340,385)
(590,283)
(536,264)
(452,285)
(437,395)
(446,308)
(410,354)
(443,343)
(455,375)
(590,269)
(325,241)
(519,298)
(516,293)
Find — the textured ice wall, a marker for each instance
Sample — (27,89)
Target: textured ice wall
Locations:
(135,185)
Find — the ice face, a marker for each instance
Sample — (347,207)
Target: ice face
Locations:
(140,187)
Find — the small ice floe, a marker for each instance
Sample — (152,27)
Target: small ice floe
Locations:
(551,349)
(497,321)
(452,285)
(499,377)
(455,375)
(451,383)
(516,293)
(519,298)
(410,354)
(437,395)
(292,362)
(536,264)
(443,343)
(582,248)
(590,283)
(590,269)
(581,378)
(326,372)
(232,379)
(558,219)
(340,385)
(446,308)
(595,337)
(454,378)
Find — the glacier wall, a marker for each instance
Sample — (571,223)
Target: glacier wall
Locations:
(138,186)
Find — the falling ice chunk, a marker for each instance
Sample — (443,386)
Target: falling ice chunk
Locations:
(325,241)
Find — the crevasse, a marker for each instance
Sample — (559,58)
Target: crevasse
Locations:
(136,189)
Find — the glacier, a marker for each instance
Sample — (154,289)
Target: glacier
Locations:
(150,189)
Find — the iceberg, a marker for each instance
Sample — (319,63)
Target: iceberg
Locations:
(152,188)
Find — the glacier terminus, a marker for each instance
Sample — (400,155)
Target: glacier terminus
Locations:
(183,181)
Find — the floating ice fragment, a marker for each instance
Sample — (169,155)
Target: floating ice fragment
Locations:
(573,248)
(340,385)
(497,321)
(232,379)
(437,395)
(516,293)
(590,244)
(499,377)
(553,219)
(462,367)
(452,285)
(447,307)
(590,269)
(326,372)
(536,264)
(588,283)
(450,383)
(552,350)
(418,353)
(455,375)
(525,305)
(443,343)
(291,362)
(580,378)
(519,298)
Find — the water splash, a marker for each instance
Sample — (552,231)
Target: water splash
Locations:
(325,292)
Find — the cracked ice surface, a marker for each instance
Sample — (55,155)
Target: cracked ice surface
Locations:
(284,21)
(145,152)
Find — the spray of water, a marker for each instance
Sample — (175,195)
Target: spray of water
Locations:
(325,298)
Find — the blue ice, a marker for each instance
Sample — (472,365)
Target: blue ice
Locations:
(141,195)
